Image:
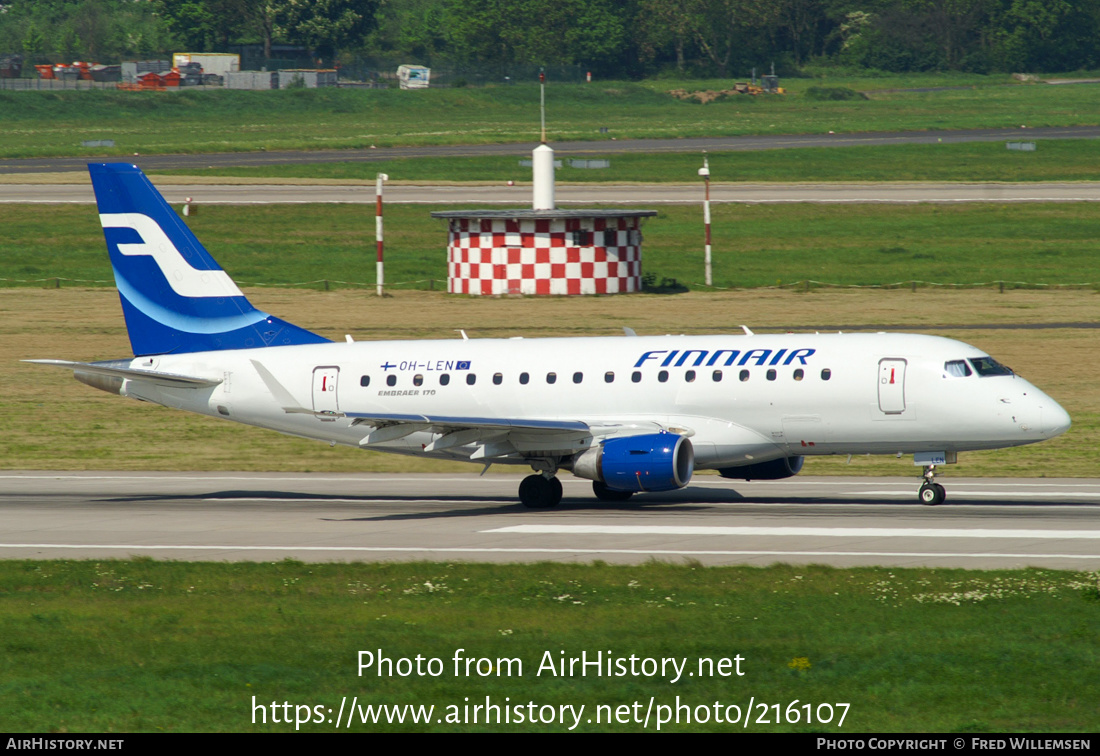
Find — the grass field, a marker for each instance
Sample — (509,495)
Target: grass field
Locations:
(1053,160)
(865,245)
(55,123)
(128,646)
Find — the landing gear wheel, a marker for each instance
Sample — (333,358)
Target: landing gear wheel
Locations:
(527,489)
(932,494)
(540,492)
(603,493)
(555,491)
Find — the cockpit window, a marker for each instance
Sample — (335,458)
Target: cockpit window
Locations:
(956,368)
(986,366)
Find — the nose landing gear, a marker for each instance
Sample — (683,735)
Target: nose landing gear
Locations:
(931,493)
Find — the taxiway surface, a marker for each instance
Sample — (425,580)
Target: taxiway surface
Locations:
(608,146)
(565,194)
(986,523)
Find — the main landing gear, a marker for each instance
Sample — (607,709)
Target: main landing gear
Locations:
(931,492)
(540,491)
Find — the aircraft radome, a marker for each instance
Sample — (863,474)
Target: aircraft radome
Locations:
(631,413)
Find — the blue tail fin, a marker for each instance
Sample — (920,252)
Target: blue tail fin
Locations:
(174,295)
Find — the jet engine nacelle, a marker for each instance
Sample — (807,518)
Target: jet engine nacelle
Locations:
(775,469)
(651,462)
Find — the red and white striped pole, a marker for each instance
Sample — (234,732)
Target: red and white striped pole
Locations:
(380,274)
(705,173)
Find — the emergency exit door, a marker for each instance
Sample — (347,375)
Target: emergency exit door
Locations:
(891,386)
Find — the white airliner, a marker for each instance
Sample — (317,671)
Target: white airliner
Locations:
(630,413)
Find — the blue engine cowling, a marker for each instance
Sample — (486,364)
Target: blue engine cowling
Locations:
(775,469)
(651,462)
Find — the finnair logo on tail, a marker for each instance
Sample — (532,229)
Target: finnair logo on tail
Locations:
(184,279)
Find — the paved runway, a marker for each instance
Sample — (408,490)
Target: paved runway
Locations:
(520,196)
(986,523)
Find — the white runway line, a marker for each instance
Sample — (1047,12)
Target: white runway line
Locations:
(719,530)
(957,492)
(365,499)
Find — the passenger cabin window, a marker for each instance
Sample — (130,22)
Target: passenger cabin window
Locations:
(799,374)
(497,379)
(551,377)
(391,380)
(444,379)
(987,366)
(523,378)
(826,374)
(578,377)
(716,376)
(771,374)
(418,380)
(471,379)
(636,376)
(364,381)
(662,376)
(689,376)
(744,376)
(608,377)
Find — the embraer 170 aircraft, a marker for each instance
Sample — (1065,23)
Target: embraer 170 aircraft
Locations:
(631,414)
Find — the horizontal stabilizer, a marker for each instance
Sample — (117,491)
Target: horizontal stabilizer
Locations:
(161,379)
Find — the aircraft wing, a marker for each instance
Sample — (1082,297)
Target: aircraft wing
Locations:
(160,379)
(490,437)
(493,423)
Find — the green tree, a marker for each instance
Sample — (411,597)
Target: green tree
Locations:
(34,43)
(92,23)
(664,24)
(206,25)
(732,33)
(67,45)
(325,26)
(540,32)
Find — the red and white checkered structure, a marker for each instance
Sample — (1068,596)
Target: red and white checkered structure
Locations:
(577,254)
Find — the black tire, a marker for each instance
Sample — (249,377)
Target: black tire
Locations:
(554,492)
(527,495)
(538,492)
(931,494)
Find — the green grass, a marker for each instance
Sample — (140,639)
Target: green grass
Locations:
(55,123)
(863,80)
(866,245)
(1054,160)
(131,646)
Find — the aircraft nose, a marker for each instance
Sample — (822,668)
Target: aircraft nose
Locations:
(1055,420)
